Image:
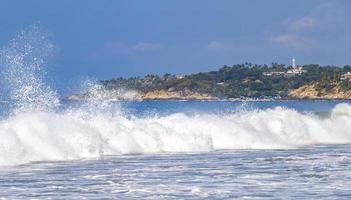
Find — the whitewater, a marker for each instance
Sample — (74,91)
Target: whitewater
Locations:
(51,148)
(37,128)
(49,136)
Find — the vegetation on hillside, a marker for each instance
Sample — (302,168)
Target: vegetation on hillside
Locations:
(237,81)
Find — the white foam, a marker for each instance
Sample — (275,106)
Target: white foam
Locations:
(35,132)
(47,136)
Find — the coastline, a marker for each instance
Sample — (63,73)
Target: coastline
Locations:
(303,93)
(217,99)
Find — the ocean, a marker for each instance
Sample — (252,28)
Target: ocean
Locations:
(56,149)
(178,150)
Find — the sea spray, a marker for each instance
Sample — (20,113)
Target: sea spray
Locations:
(36,132)
(22,62)
(38,136)
(94,91)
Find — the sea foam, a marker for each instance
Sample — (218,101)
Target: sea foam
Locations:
(48,136)
(35,131)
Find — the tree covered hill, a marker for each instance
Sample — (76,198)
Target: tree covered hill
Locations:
(237,81)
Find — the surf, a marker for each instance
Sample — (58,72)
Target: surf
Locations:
(49,136)
(37,128)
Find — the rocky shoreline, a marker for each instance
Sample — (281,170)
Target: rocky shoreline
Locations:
(166,95)
(312,92)
(306,92)
(150,95)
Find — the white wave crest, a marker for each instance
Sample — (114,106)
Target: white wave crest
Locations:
(47,136)
(35,132)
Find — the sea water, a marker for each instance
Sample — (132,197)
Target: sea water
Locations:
(180,150)
(56,149)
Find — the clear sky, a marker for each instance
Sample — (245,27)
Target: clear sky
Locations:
(106,39)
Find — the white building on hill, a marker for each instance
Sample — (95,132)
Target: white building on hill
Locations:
(346,76)
(296,70)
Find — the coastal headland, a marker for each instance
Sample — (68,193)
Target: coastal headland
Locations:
(243,81)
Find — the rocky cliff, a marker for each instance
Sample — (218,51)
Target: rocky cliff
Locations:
(312,91)
(166,95)
(139,95)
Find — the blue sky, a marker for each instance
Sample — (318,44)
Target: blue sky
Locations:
(105,39)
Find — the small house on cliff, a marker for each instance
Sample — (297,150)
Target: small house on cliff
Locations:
(346,76)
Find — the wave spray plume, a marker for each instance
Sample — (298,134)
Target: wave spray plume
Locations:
(36,132)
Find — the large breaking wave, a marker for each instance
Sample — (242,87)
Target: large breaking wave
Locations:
(34,131)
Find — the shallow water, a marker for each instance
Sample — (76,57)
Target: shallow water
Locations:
(307,173)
